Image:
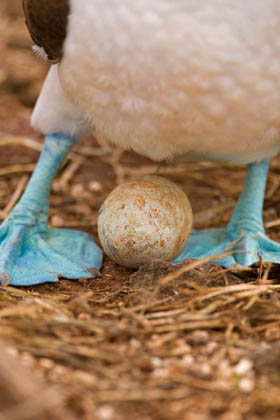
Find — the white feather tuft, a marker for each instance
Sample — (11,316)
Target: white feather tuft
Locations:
(40,52)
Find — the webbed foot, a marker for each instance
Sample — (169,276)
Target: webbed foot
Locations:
(38,254)
(244,249)
(30,251)
(244,238)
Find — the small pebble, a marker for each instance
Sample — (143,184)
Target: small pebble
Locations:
(188,360)
(46,363)
(77,190)
(95,186)
(205,369)
(157,362)
(243,367)
(57,221)
(84,378)
(246,385)
(84,316)
(199,337)
(135,343)
(210,347)
(106,413)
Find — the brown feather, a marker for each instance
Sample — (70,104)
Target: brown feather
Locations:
(47,23)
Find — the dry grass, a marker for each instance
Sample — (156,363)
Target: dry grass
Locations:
(163,337)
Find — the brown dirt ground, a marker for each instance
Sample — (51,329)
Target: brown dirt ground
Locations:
(192,342)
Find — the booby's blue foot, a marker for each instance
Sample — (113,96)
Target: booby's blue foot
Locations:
(244,249)
(244,237)
(30,251)
(33,255)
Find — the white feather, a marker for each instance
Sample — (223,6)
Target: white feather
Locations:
(168,77)
(55,112)
(40,52)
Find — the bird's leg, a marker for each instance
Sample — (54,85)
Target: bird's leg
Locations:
(35,199)
(244,236)
(247,214)
(30,251)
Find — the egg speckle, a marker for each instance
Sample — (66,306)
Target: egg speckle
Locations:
(144,219)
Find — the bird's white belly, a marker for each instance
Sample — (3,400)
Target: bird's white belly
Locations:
(171,77)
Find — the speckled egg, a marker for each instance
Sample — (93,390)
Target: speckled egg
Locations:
(144,219)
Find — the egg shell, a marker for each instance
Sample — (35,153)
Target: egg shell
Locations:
(144,219)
